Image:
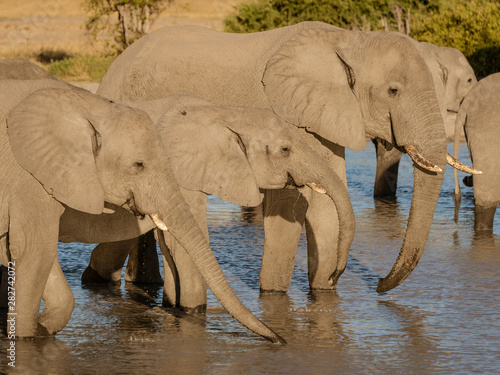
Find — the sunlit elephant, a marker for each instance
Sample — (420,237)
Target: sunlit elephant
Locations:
(21,69)
(342,86)
(479,116)
(65,148)
(453,78)
(230,152)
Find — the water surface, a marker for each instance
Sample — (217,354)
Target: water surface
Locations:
(443,319)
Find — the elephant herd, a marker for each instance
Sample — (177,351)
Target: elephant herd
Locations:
(261,118)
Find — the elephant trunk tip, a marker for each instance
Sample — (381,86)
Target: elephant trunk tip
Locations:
(384,285)
(334,277)
(277,339)
(393,279)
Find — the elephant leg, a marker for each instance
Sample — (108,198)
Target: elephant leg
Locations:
(284,215)
(484,216)
(106,262)
(32,245)
(184,286)
(143,265)
(58,301)
(386,178)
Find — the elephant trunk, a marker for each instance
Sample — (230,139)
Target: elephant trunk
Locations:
(168,206)
(324,180)
(426,189)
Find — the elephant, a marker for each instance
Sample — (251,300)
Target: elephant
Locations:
(479,116)
(64,148)
(453,78)
(233,153)
(341,86)
(21,69)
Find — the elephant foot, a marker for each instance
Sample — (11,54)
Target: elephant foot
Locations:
(198,310)
(272,291)
(42,331)
(91,276)
(323,290)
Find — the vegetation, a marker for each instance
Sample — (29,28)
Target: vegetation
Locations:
(81,67)
(118,23)
(471,26)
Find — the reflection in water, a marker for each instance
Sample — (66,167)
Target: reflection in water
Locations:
(443,319)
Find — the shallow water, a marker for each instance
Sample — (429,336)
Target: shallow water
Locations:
(443,319)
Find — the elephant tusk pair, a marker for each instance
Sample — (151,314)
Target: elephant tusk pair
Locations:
(158,222)
(427,165)
(316,188)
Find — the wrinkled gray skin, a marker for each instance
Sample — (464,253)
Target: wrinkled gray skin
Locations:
(232,153)
(453,78)
(343,86)
(65,148)
(479,115)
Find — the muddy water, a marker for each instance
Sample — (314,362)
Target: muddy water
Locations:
(443,319)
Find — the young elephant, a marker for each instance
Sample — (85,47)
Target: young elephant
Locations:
(479,115)
(230,152)
(65,148)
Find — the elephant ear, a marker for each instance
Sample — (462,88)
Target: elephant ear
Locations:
(205,154)
(53,140)
(310,83)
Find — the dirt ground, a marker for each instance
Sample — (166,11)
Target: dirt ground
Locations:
(29,26)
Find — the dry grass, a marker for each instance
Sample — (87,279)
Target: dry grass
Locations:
(37,30)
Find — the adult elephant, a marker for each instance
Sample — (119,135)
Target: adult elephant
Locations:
(479,116)
(64,147)
(453,78)
(340,85)
(230,152)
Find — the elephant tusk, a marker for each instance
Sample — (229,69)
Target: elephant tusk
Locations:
(420,160)
(316,188)
(160,224)
(460,166)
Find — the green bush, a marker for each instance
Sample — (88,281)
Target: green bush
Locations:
(471,26)
(263,15)
(81,67)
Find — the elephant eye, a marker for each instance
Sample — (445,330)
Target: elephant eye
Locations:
(139,166)
(285,150)
(393,92)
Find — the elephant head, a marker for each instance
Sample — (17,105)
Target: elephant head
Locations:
(452,74)
(233,152)
(88,152)
(373,85)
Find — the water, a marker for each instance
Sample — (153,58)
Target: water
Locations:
(443,319)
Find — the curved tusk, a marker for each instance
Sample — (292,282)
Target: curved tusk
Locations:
(316,188)
(160,224)
(460,166)
(420,160)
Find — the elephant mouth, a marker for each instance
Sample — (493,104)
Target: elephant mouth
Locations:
(131,205)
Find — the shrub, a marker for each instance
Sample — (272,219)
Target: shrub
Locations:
(81,68)
(472,26)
